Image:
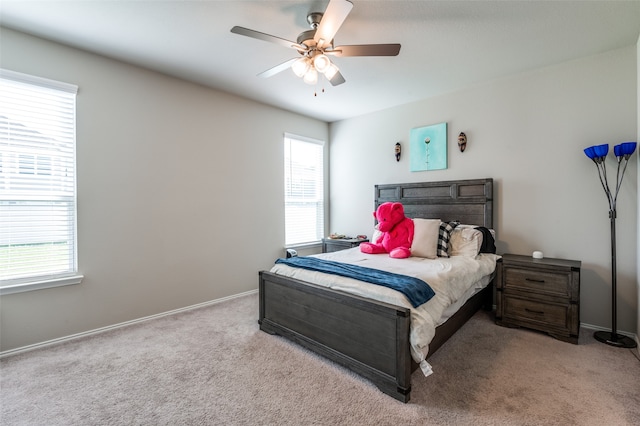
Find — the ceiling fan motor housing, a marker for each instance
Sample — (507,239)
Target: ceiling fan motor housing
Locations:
(306,38)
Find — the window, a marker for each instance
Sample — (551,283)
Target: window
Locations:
(37,183)
(303,190)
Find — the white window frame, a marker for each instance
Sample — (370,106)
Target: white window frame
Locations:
(28,179)
(317,196)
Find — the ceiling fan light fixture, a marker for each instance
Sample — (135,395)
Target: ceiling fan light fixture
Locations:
(300,67)
(311,76)
(331,71)
(322,63)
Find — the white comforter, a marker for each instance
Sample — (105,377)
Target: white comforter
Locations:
(450,278)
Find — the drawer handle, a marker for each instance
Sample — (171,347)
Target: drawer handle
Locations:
(534,312)
(534,280)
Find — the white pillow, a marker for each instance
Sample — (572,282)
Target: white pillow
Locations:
(425,238)
(376,234)
(465,241)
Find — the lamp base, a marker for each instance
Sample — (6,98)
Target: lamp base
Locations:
(616,340)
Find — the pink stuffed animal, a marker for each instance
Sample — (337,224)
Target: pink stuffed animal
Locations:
(397,232)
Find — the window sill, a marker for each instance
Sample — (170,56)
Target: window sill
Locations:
(39,285)
(304,245)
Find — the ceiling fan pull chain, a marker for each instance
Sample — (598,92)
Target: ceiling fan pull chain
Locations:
(315,91)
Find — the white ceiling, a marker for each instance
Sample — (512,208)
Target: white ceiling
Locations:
(446,45)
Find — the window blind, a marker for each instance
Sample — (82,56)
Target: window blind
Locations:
(304,190)
(37,179)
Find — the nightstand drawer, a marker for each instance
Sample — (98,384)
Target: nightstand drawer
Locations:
(541,313)
(538,281)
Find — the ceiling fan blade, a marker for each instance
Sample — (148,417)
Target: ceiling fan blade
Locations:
(337,79)
(278,68)
(365,50)
(267,37)
(331,21)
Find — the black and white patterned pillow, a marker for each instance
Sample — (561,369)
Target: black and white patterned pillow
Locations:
(445,236)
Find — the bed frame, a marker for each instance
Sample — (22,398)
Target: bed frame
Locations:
(369,337)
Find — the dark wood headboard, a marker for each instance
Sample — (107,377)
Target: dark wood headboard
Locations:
(466,201)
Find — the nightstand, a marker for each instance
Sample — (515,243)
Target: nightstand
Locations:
(541,294)
(330,245)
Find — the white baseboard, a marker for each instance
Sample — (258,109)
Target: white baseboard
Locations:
(119,325)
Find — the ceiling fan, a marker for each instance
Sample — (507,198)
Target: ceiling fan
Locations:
(316,45)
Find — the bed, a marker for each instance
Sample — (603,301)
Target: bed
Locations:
(371,337)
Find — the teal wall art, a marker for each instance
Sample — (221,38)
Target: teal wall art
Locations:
(428,148)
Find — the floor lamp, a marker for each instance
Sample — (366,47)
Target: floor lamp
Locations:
(598,154)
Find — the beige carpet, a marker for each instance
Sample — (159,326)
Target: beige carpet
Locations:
(212,366)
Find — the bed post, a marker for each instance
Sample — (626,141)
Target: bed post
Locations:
(403,360)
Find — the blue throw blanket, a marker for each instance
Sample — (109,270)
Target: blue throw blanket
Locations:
(416,290)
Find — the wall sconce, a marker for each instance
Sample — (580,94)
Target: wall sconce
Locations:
(398,150)
(462,141)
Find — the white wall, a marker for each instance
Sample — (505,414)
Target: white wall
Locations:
(180,192)
(527,132)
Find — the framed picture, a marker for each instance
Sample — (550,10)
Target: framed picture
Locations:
(428,148)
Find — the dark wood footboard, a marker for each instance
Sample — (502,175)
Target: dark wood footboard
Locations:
(368,337)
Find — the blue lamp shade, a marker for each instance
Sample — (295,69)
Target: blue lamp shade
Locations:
(629,147)
(597,151)
(626,148)
(617,150)
(590,152)
(601,150)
